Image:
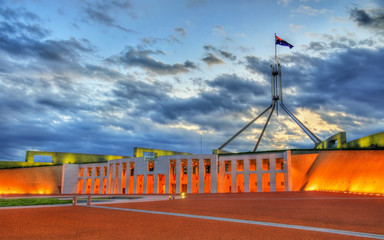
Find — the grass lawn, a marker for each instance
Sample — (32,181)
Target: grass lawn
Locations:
(31,201)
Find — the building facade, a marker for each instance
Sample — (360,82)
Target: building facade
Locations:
(208,173)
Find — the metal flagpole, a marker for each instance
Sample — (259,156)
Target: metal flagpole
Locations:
(277,97)
(275,51)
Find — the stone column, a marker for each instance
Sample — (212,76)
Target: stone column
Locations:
(233,176)
(145,183)
(107,182)
(155,180)
(119,168)
(272,170)
(127,177)
(92,184)
(84,190)
(167,174)
(246,175)
(189,173)
(287,171)
(259,173)
(201,174)
(178,174)
(214,174)
(112,179)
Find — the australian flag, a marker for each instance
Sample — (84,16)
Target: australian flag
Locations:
(282,42)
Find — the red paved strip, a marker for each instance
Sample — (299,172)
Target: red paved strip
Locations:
(326,210)
(91,223)
(362,215)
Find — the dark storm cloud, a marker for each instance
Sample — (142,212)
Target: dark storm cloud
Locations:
(103,12)
(102,17)
(225,54)
(22,39)
(346,82)
(257,65)
(212,60)
(337,43)
(368,18)
(181,31)
(141,58)
(101,72)
(16,14)
(209,109)
(20,23)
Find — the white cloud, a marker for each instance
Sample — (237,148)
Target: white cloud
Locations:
(307,10)
(294,27)
(283,2)
(220,30)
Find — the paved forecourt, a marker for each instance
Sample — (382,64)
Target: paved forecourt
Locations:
(302,215)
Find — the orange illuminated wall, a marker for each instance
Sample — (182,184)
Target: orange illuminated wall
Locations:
(280,183)
(252,182)
(195,176)
(150,183)
(97,186)
(139,185)
(348,171)
(266,178)
(183,176)
(300,164)
(172,176)
(227,183)
(124,179)
(80,186)
(33,180)
(240,183)
(207,176)
(160,183)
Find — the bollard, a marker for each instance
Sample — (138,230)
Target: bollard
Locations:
(74,201)
(89,200)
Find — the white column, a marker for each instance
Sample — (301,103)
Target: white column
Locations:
(189,173)
(119,168)
(272,169)
(246,175)
(214,174)
(287,171)
(107,182)
(155,180)
(112,181)
(127,176)
(92,185)
(145,183)
(84,183)
(259,173)
(167,174)
(201,174)
(178,174)
(233,176)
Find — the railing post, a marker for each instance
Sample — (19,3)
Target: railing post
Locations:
(89,200)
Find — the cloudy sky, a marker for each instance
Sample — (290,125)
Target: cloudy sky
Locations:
(104,77)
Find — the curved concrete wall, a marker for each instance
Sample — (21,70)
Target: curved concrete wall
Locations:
(348,171)
(33,180)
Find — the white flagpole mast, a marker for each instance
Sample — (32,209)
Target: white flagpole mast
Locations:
(275,51)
